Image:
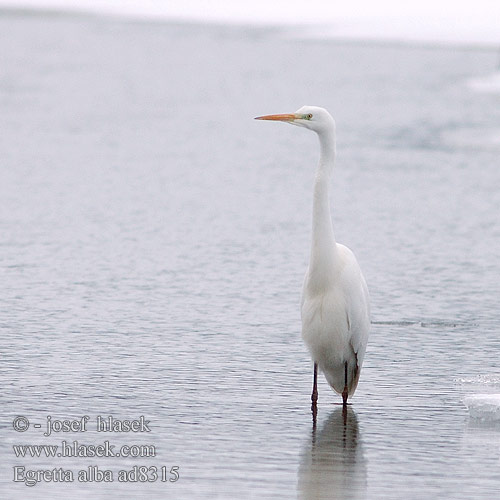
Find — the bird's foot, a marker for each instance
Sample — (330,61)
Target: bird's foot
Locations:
(344,396)
(314,397)
(314,411)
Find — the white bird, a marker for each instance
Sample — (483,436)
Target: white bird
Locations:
(335,305)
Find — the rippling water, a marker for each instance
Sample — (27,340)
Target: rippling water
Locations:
(154,240)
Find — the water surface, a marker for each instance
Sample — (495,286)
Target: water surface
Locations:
(154,240)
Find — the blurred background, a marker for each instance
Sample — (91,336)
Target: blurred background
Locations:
(154,239)
(441,20)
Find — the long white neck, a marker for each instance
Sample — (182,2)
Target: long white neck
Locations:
(323,248)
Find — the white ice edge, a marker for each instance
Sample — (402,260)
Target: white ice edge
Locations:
(484,407)
(487,84)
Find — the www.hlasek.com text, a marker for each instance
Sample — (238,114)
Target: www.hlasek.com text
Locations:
(76,449)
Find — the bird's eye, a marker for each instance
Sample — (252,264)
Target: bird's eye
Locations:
(309,116)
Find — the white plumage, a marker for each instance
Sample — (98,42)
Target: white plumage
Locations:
(335,302)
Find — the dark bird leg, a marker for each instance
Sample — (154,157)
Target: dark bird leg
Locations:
(344,392)
(314,395)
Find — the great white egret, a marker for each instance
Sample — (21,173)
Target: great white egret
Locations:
(335,306)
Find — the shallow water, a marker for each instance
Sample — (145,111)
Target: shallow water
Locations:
(154,240)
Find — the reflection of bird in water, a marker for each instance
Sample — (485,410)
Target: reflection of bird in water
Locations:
(333,465)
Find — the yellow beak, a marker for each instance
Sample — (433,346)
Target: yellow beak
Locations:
(290,117)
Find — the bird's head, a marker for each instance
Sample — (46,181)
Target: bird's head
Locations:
(311,117)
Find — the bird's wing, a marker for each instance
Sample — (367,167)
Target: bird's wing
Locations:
(357,303)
